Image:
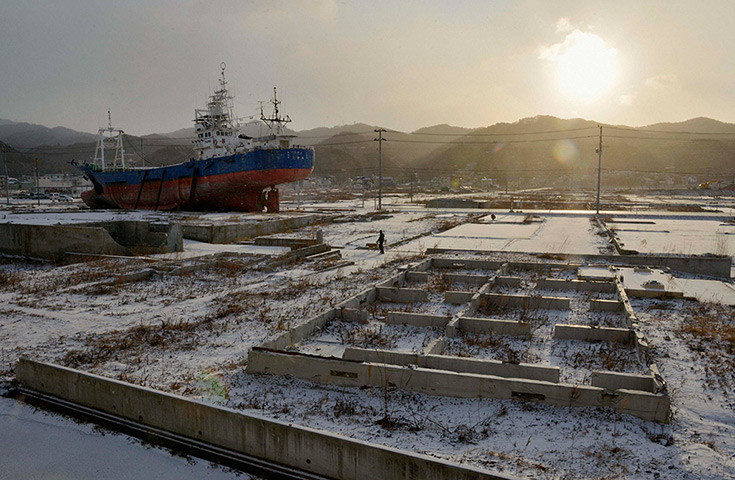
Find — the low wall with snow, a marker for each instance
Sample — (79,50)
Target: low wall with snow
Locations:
(331,371)
(307,449)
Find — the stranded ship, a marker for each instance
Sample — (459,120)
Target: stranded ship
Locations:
(229,172)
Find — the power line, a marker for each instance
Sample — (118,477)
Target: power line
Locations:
(461,142)
(629,129)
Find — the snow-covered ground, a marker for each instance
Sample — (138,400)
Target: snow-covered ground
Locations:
(543,234)
(171,331)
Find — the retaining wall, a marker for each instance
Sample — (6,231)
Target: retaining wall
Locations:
(330,371)
(54,242)
(307,449)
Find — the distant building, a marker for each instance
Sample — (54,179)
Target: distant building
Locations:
(72,185)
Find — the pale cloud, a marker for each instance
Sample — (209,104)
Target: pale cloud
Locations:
(663,82)
(579,43)
(564,25)
(627,99)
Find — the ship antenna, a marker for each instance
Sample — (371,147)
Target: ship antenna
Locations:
(223,65)
(109,119)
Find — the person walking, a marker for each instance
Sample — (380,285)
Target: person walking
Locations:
(381,242)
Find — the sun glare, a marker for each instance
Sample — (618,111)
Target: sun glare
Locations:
(585,66)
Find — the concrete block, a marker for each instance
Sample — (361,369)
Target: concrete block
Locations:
(499,327)
(576,285)
(389,357)
(317,452)
(436,346)
(597,305)
(457,298)
(452,327)
(402,295)
(417,319)
(330,371)
(615,381)
(586,333)
(525,301)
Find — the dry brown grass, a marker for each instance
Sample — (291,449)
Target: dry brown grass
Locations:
(709,329)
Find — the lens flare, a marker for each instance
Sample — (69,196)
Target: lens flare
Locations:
(565,151)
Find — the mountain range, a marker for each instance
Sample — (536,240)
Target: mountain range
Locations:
(541,146)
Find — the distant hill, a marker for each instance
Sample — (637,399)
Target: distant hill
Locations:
(541,148)
(29,135)
(546,146)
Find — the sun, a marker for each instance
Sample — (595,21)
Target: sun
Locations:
(586,67)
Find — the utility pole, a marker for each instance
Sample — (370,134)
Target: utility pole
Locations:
(599,169)
(411,187)
(38,197)
(380,141)
(7,178)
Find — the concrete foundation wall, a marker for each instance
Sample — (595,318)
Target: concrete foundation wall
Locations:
(500,327)
(465,263)
(577,285)
(648,406)
(231,232)
(353,315)
(457,298)
(461,278)
(303,331)
(285,242)
(417,277)
(615,381)
(585,333)
(455,364)
(508,281)
(361,300)
(416,319)
(402,295)
(605,305)
(525,301)
(700,265)
(319,452)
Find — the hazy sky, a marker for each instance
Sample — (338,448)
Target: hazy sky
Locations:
(399,64)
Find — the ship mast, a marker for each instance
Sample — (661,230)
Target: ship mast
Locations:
(275,121)
(109,135)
